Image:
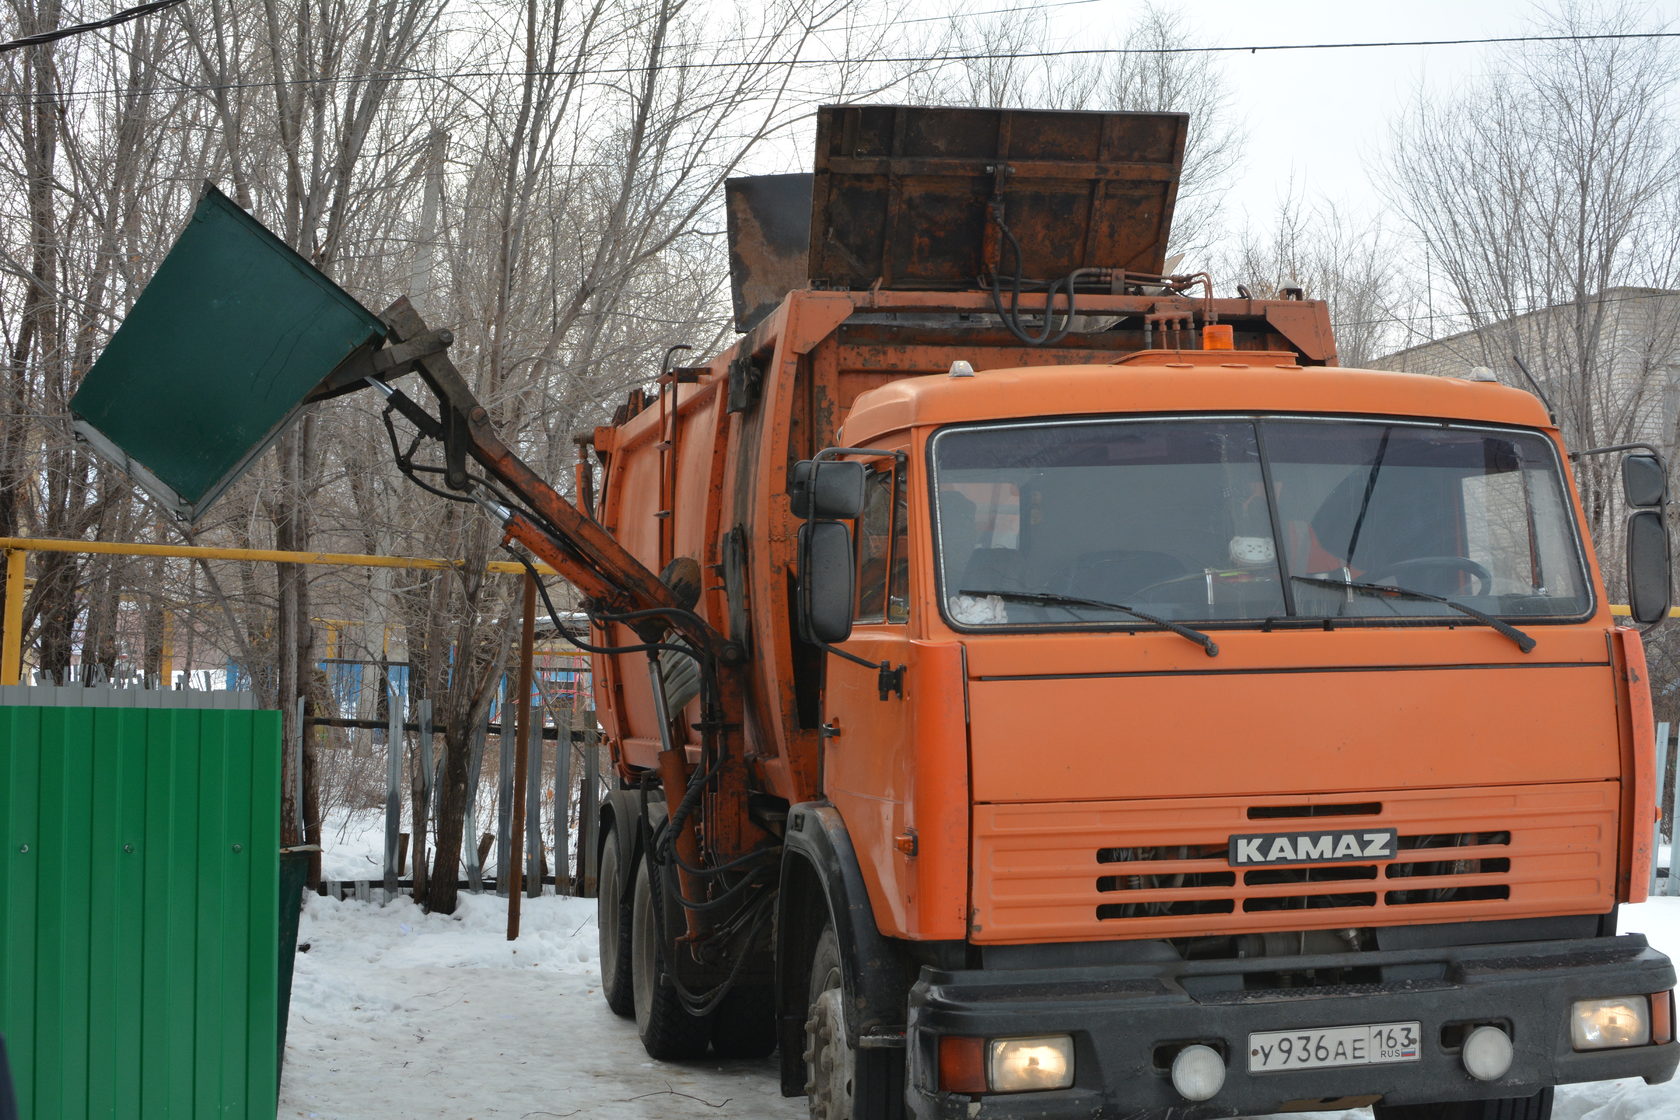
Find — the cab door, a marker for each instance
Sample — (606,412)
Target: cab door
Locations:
(867,761)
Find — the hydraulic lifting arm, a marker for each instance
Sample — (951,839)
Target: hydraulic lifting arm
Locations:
(552,528)
(617,588)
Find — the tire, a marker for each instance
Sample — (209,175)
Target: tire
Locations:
(669,1032)
(841,1081)
(614,921)
(1537,1107)
(744,1024)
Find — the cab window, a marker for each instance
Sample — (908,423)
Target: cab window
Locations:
(883,561)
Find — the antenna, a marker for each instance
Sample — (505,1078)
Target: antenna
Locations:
(1551,414)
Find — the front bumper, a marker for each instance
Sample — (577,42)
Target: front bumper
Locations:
(1125,1018)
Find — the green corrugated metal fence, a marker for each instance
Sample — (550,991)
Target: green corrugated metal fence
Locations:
(139,893)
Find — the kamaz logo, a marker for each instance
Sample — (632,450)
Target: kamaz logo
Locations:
(1342,846)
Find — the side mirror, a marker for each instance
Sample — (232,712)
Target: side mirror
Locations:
(1648,567)
(1644,481)
(826,488)
(825,581)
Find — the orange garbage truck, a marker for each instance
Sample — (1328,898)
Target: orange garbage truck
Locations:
(1117,709)
(1040,688)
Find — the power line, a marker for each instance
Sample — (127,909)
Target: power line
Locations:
(948,17)
(944,59)
(81,28)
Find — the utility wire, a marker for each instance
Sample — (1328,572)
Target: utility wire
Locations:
(82,28)
(948,17)
(946,59)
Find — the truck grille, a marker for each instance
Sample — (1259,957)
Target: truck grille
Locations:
(1321,887)
(1134,869)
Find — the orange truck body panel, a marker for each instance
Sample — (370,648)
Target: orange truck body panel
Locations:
(980,807)
(1105,725)
(1148,834)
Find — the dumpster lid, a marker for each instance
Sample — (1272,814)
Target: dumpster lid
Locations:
(235,323)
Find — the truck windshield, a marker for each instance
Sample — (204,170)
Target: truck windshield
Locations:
(1209,521)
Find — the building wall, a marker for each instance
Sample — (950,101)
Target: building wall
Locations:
(1635,395)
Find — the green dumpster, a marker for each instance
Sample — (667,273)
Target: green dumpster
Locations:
(294,877)
(234,322)
(139,880)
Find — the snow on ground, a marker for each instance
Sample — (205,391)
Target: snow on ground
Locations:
(400,1015)
(354,846)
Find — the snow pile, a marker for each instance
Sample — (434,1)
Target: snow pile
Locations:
(354,846)
(400,1015)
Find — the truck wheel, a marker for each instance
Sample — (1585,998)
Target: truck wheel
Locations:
(1537,1107)
(744,1024)
(830,1060)
(669,1032)
(841,1081)
(613,920)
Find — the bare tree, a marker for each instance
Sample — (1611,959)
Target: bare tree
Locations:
(1316,250)
(1544,197)
(308,137)
(577,251)
(544,179)
(71,242)
(1003,60)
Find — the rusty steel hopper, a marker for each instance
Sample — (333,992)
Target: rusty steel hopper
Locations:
(909,198)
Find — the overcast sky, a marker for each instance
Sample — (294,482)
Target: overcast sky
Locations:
(1322,117)
(1316,122)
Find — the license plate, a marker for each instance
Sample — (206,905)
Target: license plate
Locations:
(1366,1044)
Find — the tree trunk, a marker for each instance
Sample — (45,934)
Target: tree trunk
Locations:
(296,635)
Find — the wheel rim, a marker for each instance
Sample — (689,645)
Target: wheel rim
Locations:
(830,1063)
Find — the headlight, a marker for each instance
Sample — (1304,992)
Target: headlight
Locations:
(1599,1024)
(1020,1065)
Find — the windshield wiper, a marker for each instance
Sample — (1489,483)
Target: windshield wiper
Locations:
(1524,642)
(1054,600)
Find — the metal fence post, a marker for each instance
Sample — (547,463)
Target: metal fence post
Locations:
(533,798)
(504,799)
(302,818)
(426,749)
(475,763)
(421,811)
(11,627)
(1658,870)
(1670,812)
(393,785)
(563,808)
(586,805)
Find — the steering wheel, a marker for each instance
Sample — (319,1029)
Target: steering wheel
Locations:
(1175,586)
(1433,571)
